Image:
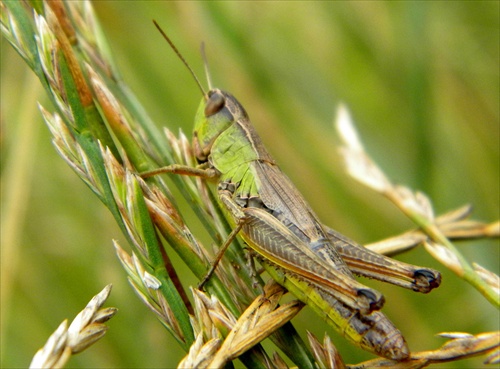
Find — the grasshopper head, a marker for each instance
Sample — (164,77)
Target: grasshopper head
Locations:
(217,111)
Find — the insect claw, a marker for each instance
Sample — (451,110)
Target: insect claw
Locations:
(375,301)
(428,278)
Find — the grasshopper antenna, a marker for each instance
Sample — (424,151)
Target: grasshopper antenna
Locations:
(181,57)
(205,62)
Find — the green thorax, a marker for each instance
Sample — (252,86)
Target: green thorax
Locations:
(225,135)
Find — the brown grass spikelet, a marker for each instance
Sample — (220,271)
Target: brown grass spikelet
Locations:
(85,329)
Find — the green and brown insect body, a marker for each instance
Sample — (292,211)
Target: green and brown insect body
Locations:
(250,179)
(273,218)
(279,225)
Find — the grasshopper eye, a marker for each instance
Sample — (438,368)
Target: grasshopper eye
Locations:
(215,103)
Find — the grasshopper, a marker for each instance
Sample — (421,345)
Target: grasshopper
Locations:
(312,261)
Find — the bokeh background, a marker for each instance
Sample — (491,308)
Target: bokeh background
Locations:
(420,78)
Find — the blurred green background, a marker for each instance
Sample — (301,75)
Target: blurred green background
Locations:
(420,78)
